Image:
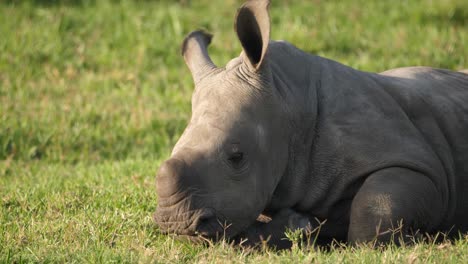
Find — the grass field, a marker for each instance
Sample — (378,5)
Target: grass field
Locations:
(93,95)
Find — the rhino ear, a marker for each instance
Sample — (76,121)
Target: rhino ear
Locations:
(253,30)
(195,53)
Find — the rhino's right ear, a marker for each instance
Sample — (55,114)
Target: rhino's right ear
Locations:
(253,30)
(195,52)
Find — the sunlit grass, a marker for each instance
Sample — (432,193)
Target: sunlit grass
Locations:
(93,95)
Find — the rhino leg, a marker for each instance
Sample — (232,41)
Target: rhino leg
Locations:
(393,203)
(273,232)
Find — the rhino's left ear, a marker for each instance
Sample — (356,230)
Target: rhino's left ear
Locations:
(253,30)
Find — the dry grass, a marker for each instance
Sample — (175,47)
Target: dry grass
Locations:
(93,94)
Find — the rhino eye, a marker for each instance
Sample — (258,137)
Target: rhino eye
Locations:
(236,158)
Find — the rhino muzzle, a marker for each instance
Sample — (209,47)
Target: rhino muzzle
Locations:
(180,207)
(202,222)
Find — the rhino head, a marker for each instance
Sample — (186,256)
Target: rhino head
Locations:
(224,168)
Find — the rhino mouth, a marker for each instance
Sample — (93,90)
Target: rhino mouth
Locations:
(200,225)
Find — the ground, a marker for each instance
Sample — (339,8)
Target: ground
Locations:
(93,95)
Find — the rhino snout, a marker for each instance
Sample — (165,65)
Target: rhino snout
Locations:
(180,208)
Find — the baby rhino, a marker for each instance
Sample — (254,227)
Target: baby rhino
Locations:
(303,139)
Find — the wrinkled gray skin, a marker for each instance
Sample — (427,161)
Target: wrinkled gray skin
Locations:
(297,137)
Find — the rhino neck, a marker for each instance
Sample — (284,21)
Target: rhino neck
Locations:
(305,83)
(296,77)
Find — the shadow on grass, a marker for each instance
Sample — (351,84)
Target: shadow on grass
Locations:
(309,240)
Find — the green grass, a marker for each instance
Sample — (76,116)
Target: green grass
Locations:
(93,95)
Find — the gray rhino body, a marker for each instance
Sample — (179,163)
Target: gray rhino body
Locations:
(301,138)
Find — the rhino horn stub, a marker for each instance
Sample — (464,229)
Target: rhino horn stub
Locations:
(195,53)
(253,30)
